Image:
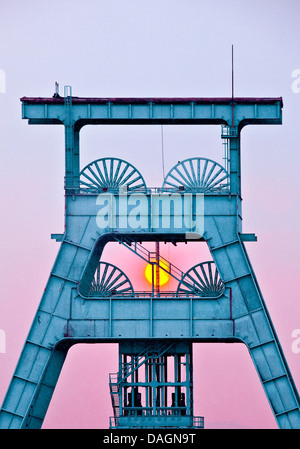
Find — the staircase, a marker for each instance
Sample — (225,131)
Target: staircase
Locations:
(151,257)
(115,398)
(115,379)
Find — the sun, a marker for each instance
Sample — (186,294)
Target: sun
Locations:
(163,275)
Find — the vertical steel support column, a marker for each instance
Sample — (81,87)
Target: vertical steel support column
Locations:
(69,133)
(76,159)
(234,166)
(154,392)
(157,269)
(122,362)
(235,162)
(176,379)
(147,388)
(165,368)
(71,146)
(189,382)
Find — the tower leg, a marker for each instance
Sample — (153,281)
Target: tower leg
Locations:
(252,325)
(43,354)
(31,387)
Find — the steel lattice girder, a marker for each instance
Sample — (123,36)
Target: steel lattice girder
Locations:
(154,110)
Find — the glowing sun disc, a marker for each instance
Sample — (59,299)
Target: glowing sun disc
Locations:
(163,275)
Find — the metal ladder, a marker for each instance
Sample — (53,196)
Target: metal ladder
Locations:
(150,257)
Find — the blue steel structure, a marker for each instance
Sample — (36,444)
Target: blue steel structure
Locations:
(87,300)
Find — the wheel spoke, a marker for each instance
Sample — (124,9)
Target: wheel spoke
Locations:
(111,284)
(107,282)
(103,277)
(206,180)
(182,176)
(198,171)
(90,179)
(90,186)
(176,179)
(119,180)
(111,174)
(193,172)
(95,175)
(204,172)
(211,180)
(190,180)
(117,172)
(128,177)
(107,180)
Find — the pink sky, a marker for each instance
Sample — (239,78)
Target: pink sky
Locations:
(162,49)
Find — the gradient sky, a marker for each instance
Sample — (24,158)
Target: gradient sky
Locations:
(149,48)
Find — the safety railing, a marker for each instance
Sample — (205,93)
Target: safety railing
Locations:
(147,412)
(145,295)
(219,190)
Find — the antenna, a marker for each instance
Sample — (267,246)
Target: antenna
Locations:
(162,151)
(232,74)
(232,86)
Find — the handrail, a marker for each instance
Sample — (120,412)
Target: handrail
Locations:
(149,294)
(197,421)
(221,189)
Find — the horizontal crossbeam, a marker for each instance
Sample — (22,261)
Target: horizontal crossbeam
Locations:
(153,111)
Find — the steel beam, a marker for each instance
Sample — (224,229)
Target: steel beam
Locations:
(213,111)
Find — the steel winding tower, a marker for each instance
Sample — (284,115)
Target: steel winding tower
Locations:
(91,301)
